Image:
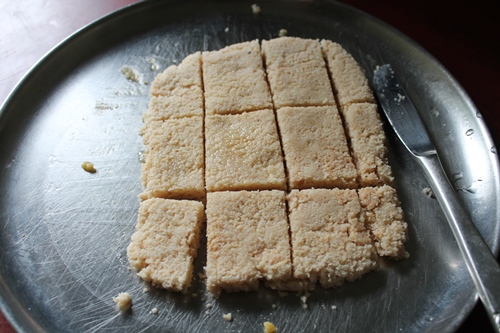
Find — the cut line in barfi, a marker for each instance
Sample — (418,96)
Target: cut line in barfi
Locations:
(368,144)
(385,220)
(330,244)
(349,81)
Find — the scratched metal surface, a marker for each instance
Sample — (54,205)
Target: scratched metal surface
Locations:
(64,232)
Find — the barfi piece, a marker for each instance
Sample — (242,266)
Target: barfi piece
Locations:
(297,72)
(368,144)
(247,240)
(234,80)
(243,152)
(165,242)
(176,79)
(315,148)
(187,102)
(177,92)
(349,81)
(385,220)
(174,159)
(329,241)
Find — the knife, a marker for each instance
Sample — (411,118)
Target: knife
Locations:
(406,122)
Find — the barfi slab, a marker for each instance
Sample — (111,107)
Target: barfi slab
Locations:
(349,81)
(186,102)
(385,220)
(315,148)
(176,79)
(174,159)
(165,242)
(329,241)
(234,80)
(297,72)
(247,240)
(368,144)
(243,152)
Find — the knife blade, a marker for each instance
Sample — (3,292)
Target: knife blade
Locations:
(408,126)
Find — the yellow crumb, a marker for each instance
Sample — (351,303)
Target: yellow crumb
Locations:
(256,8)
(269,327)
(89,167)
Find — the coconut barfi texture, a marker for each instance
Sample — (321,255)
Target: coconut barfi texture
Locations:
(282,146)
(243,152)
(189,104)
(177,92)
(315,148)
(165,242)
(176,79)
(349,81)
(385,220)
(330,243)
(368,144)
(247,240)
(234,80)
(296,72)
(174,159)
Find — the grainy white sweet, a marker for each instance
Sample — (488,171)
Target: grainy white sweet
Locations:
(186,103)
(385,220)
(349,81)
(174,159)
(297,72)
(238,127)
(368,144)
(176,79)
(315,148)
(123,301)
(329,241)
(243,152)
(234,80)
(247,240)
(165,242)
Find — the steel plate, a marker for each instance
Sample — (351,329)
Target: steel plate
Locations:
(64,232)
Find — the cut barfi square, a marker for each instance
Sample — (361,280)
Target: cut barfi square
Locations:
(174,159)
(234,80)
(315,148)
(243,152)
(368,144)
(247,240)
(177,92)
(385,220)
(165,242)
(185,103)
(330,243)
(349,81)
(176,79)
(297,72)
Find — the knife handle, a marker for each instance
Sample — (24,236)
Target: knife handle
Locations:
(482,264)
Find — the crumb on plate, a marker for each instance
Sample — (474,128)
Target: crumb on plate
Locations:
(89,167)
(269,327)
(256,8)
(123,301)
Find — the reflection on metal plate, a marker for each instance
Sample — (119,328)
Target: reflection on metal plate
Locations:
(64,231)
